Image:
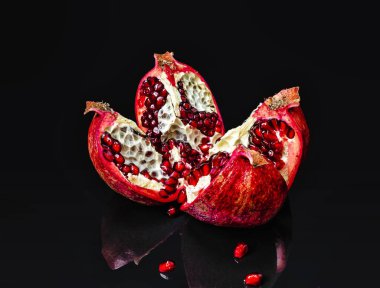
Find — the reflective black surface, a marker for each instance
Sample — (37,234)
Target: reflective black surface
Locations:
(203,254)
(58,54)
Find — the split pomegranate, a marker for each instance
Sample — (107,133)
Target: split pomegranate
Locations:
(177,150)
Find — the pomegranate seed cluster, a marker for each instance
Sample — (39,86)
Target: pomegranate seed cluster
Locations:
(264,138)
(156,95)
(208,123)
(111,152)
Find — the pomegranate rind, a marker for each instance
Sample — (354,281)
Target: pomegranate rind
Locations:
(242,194)
(105,117)
(285,106)
(165,63)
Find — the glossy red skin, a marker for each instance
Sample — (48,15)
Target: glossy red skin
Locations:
(107,170)
(172,67)
(240,195)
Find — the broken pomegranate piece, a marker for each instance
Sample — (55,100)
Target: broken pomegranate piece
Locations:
(177,150)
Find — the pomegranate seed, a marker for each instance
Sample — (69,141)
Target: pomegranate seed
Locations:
(186,173)
(175,175)
(166,266)
(204,148)
(164,93)
(169,189)
(207,122)
(283,127)
(187,106)
(160,102)
(146,174)
(147,91)
(192,180)
(107,139)
(165,166)
(196,174)
(273,122)
(240,250)
(163,194)
(218,129)
(172,211)
(182,198)
(257,132)
(134,169)
(256,141)
(290,133)
(179,166)
(253,279)
(151,80)
(265,126)
(126,169)
(171,181)
(193,123)
(205,168)
(108,155)
(118,159)
(158,86)
(279,164)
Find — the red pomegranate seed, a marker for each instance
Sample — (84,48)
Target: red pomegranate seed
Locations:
(118,159)
(257,132)
(253,279)
(218,129)
(182,198)
(205,168)
(163,194)
(146,174)
(204,148)
(273,122)
(172,211)
(240,250)
(106,139)
(169,189)
(134,169)
(171,181)
(175,175)
(192,180)
(196,174)
(283,127)
(108,155)
(166,266)
(164,93)
(165,166)
(158,86)
(186,173)
(179,166)
(279,164)
(290,133)
(126,169)
(160,102)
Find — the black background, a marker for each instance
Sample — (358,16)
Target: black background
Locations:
(57,55)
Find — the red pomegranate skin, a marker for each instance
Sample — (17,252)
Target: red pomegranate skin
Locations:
(240,196)
(104,117)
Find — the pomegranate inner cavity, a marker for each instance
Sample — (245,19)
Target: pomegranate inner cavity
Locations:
(268,137)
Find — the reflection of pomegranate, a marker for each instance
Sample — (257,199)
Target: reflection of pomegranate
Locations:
(178,150)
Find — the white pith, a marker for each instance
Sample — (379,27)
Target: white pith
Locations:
(169,122)
(197,92)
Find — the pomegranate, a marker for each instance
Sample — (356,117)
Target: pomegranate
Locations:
(177,150)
